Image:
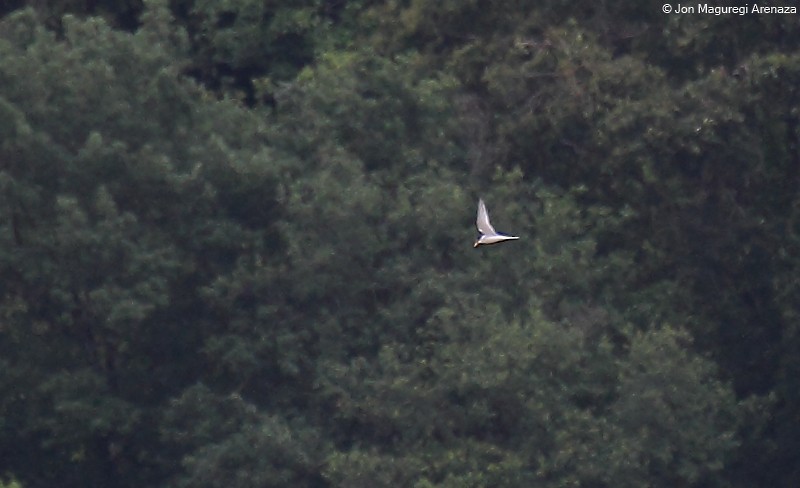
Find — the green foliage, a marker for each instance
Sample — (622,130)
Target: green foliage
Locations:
(513,403)
(11,484)
(235,42)
(235,245)
(229,442)
(364,104)
(668,398)
(98,242)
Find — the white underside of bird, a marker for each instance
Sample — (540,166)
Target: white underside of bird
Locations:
(488,234)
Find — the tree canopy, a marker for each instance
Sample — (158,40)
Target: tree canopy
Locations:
(235,245)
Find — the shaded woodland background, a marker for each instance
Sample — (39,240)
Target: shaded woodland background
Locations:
(236,245)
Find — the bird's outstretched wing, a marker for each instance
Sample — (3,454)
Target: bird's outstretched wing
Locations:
(484,226)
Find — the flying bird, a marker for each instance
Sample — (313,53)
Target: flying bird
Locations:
(488,234)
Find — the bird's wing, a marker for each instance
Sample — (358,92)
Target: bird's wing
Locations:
(484,226)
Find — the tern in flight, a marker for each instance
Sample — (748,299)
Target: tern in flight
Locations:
(488,234)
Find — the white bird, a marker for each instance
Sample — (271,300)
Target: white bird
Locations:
(488,234)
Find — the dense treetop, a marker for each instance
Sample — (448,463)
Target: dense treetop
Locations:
(235,245)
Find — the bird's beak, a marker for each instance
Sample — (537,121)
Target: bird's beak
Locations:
(475,245)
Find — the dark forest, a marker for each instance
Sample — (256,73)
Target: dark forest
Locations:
(236,245)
